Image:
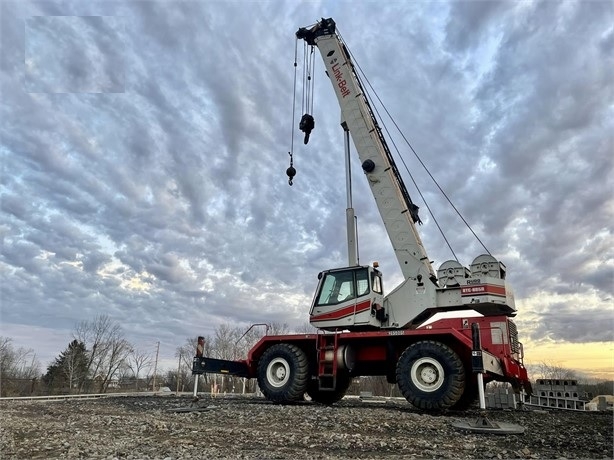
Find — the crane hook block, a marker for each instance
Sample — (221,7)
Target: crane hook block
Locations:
(306,125)
(291,172)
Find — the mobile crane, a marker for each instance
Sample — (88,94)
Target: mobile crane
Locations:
(431,335)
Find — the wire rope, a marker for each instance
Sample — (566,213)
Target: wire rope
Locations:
(419,160)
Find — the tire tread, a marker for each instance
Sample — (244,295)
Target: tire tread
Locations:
(455,387)
(294,390)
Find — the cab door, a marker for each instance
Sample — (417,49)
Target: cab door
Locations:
(344,299)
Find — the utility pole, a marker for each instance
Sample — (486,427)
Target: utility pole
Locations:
(178,370)
(156,367)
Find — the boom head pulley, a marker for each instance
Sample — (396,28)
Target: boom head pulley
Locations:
(324,27)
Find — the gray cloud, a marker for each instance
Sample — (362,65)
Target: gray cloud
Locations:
(65,54)
(161,199)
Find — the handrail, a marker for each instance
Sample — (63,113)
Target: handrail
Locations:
(251,327)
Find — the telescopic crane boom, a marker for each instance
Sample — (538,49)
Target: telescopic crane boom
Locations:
(398,212)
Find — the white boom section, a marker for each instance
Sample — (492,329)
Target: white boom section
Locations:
(370,145)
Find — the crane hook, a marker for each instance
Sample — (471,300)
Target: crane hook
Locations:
(291,172)
(306,125)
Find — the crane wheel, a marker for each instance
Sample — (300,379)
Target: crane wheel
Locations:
(329,397)
(469,396)
(430,375)
(283,373)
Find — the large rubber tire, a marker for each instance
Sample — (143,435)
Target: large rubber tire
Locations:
(469,396)
(329,397)
(283,373)
(430,375)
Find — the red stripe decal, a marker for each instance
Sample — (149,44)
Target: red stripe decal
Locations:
(482,289)
(342,312)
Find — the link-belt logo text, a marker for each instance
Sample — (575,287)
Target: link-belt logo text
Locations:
(341,83)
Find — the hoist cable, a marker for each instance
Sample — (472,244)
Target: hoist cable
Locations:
(307,88)
(308,79)
(305,95)
(291,171)
(445,238)
(436,183)
(312,80)
(304,69)
(370,103)
(293,101)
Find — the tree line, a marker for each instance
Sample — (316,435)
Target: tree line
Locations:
(96,357)
(99,359)
(19,368)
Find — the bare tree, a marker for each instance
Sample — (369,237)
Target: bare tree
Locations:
(137,362)
(108,348)
(94,335)
(305,328)
(230,343)
(224,340)
(18,362)
(124,375)
(278,328)
(74,363)
(119,351)
(18,367)
(555,371)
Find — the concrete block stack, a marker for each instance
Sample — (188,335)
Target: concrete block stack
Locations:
(501,398)
(556,393)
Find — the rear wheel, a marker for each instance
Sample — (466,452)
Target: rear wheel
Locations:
(430,375)
(329,397)
(283,372)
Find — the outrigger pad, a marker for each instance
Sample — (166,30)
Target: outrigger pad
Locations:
(485,425)
(188,409)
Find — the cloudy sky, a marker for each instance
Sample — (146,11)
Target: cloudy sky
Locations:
(144,147)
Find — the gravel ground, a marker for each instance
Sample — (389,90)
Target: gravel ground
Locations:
(251,428)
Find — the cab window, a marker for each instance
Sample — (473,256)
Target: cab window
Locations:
(362,282)
(344,285)
(377,283)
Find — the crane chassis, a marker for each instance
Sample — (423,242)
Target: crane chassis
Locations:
(433,365)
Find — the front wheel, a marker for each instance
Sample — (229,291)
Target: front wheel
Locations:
(283,372)
(469,396)
(430,375)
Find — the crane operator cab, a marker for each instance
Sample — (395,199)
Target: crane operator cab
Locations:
(349,298)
